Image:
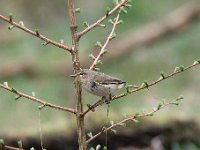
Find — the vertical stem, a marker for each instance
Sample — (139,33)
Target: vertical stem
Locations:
(76,67)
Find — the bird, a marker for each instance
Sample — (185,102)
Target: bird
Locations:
(99,84)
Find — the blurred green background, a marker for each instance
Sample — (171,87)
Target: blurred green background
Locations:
(47,76)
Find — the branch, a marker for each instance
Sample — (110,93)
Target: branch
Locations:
(145,85)
(80,34)
(11,148)
(106,43)
(20,94)
(180,17)
(36,34)
(135,117)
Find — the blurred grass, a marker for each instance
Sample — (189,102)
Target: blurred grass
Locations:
(144,64)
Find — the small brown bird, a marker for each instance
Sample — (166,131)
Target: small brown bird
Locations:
(99,83)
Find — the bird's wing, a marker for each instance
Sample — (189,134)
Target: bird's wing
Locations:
(109,81)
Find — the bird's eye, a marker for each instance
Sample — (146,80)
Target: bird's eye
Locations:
(83,73)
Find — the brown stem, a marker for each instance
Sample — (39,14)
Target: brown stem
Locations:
(20,94)
(76,67)
(102,19)
(133,118)
(36,34)
(106,43)
(6,147)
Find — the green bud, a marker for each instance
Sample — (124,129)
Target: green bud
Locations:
(135,121)
(137,114)
(2,143)
(98,44)
(14,90)
(37,32)
(123,10)
(92,148)
(151,114)
(180,98)
(182,68)
(21,23)
(114,131)
(32,148)
(91,56)
(19,143)
(102,25)
(159,106)
(90,134)
(126,115)
(85,23)
(176,103)
(105,148)
(97,69)
(128,5)
(110,21)
(120,22)
(162,75)
(42,106)
(123,124)
(10,17)
(112,123)
(11,27)
(45,43)
(108,10)
(77,10)
(17,97)
(105,51)
(114,35)
(103,129)
(99,62)
(98,147)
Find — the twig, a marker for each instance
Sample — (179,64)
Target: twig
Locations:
(11,148)
(100,102)
(80,34)
(20,94)
(133,118)
(106,43)
(36,33)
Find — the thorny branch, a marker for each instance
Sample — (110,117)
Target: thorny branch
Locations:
(106,43)
(135,117)
(163,77)
(20,94)
(36,34)
(80,34)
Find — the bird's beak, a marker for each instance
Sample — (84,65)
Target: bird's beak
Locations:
(73,75)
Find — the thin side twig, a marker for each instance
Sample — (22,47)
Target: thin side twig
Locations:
(106,43)
(36,34)
(11,148)
(20,94)
(133,118)
(80,34)
(100,102)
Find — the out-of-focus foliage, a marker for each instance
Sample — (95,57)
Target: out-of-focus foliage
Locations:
(145,63)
